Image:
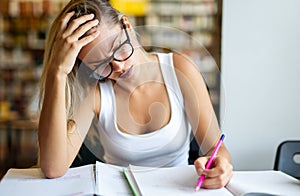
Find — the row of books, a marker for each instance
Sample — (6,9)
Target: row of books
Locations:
(31,7)
(183,7)
(184,22)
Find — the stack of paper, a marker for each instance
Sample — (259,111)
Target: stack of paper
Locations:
(77,181)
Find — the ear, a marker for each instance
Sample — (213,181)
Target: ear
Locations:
(126,22)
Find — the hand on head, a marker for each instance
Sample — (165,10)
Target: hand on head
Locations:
(69,40)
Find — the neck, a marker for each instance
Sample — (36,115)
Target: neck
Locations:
(145,69)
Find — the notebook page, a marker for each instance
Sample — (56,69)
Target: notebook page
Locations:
(77,181)
(268,182)
(110,180)
(171,181)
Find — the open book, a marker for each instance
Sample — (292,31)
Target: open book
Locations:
(106,179)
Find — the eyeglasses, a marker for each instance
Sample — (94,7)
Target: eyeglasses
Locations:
(105,68)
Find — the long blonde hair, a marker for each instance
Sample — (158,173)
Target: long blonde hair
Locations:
(102,10)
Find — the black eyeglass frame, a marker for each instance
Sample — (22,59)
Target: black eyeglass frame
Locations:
(107,61)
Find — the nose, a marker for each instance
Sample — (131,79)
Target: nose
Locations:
(118,66)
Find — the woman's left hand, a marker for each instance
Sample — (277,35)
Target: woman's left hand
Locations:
(218,175)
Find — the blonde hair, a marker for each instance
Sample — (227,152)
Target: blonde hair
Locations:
(102,10)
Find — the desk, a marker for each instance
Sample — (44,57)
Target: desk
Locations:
(83,181)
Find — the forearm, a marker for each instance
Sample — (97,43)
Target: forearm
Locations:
(223,152)
(52,133)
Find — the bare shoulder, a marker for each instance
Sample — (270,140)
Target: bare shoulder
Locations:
(182,61)
(188,73)
(185,66)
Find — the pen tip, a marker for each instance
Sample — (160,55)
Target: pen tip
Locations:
(197,188)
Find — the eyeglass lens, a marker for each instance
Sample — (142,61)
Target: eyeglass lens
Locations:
(122,53)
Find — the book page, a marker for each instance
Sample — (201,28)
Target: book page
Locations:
(110,180)
(180,180)
(77,181)
(267,182)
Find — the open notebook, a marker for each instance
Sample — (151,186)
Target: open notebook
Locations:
(106,179)
(151,181)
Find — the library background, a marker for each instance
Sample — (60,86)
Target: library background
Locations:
(192,27)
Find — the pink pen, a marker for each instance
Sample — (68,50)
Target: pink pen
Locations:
(209,162)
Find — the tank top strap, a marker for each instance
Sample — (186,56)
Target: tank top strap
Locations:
(169,75)
(107,101)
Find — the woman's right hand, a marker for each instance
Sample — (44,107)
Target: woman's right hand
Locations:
(69,41)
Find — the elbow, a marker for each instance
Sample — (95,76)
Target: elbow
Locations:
(53,171)
(52,166)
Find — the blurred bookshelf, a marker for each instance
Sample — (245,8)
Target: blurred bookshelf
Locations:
(192,27)
(23,28)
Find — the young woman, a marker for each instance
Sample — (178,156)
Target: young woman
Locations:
(146,103)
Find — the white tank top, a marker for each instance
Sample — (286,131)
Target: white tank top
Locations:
(165,147)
